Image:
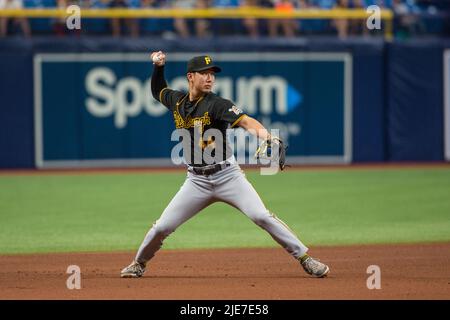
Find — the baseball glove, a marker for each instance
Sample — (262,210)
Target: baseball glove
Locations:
(273,149)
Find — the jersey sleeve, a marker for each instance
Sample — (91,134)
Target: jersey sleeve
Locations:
(169,97)
(225,110)
(160,90)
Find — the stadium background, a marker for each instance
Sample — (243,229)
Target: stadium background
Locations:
(372,170)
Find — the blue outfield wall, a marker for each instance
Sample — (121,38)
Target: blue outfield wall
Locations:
(355,100)
(415,99)
(16,108)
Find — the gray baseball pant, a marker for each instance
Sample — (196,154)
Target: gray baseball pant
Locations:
(230,186)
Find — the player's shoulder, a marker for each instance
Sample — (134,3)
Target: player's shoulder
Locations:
(220,106)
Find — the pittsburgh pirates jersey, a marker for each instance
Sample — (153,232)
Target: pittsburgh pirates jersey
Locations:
(205,120)
(198,117)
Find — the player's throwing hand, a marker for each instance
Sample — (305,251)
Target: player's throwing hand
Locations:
(158,58)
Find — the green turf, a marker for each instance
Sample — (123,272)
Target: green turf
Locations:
(114,211)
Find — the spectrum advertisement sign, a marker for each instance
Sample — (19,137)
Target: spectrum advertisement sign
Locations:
(96,109)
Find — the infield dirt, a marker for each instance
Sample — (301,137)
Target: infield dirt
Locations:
(412,271)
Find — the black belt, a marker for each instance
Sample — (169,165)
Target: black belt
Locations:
(209,170)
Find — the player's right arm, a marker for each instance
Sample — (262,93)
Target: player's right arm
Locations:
(158,83)
(160,90)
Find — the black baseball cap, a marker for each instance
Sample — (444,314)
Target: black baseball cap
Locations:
(201,63)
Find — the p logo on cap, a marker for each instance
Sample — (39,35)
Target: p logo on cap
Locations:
(201,63)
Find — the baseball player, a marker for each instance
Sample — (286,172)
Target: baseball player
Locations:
(197,111)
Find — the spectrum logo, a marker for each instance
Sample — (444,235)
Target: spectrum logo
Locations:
(266,94)
(127,97)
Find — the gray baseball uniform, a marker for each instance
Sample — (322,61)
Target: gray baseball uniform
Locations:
(208,183)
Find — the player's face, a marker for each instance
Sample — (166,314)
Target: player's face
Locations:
(203,81)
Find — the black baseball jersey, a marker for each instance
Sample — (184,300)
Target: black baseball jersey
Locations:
(198,117)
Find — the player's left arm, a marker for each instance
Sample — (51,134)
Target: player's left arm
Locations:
(225,110)
(254,127)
